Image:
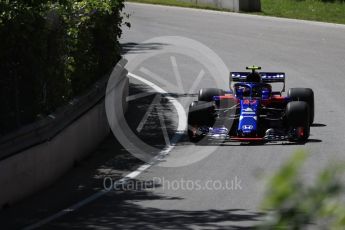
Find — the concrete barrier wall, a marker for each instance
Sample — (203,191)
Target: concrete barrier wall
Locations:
(232,5)
(37,167)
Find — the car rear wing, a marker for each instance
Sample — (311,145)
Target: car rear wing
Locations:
(267,77)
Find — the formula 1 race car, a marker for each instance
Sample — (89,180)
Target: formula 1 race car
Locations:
(251,111)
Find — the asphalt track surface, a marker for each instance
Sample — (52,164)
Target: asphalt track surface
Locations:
(312,55)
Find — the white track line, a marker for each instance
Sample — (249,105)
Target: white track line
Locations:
(159,79)
(181,128)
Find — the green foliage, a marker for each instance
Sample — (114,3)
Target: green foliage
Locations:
(294,205)
(51,51)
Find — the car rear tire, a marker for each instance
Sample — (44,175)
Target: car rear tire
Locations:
(304,94)
(298,115)
(207,94)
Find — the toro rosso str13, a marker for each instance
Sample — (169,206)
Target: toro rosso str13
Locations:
(252,111)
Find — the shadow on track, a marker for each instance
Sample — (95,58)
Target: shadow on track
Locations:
(185,141)
(125,210)
(318,125)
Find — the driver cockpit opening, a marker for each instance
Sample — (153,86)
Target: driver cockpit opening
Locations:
(243,90)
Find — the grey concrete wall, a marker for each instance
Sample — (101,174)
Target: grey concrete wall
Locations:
(232,5)
(37,167)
